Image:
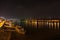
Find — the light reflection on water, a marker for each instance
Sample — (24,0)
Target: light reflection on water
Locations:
(41,30)
(51,24)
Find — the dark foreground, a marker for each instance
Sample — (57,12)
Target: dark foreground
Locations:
(32,34)
(37,35)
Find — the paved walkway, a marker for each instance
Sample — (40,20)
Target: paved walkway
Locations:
(5,35)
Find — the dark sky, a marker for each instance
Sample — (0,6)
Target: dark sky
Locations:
(29,8)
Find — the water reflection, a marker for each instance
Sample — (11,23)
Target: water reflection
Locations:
(52,24)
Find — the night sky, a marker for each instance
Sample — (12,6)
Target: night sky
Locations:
(29,8)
